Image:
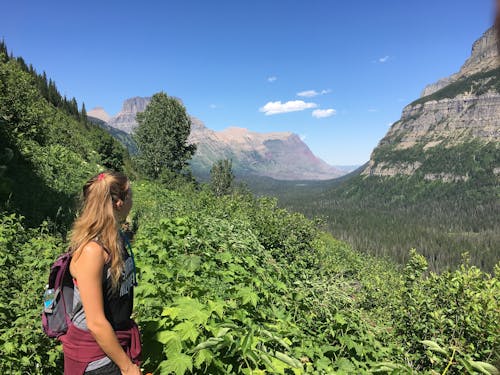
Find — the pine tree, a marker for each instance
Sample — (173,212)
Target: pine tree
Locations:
(84,113)
(74,109)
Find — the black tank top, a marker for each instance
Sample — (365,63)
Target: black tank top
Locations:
(118,305)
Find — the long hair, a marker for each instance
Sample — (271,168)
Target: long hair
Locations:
(97,218)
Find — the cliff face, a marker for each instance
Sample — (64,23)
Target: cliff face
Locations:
(280,155)
(457,117)
(125,119)
(483,58)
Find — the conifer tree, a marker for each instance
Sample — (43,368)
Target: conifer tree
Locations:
(84,113)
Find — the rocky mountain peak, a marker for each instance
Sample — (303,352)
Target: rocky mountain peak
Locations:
(484,56)
(135,104)
(483,50)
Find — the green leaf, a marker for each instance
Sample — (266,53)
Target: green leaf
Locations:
(433,346)
(9,347)
(211,342)
(217,307)
(292,362)
(172,312)
(203,356)
(187,331)
(247,295)
(484,368)
(171,340)
(177,364)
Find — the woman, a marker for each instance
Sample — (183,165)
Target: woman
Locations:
(102,338)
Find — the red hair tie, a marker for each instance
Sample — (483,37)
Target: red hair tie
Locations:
(101,176)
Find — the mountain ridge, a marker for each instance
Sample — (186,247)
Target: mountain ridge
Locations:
(279,155)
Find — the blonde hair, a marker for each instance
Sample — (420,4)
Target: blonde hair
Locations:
(97,218)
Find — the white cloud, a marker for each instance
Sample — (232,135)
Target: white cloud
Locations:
(322,113)
(302,137)
(372,110)
(213,106)
(383,59)
(274,108)
(308,93)
(272,79)
(313,93)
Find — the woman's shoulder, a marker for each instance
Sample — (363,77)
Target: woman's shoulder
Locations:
(92,253)
(106,250)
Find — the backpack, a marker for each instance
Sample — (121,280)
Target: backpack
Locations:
(57,314)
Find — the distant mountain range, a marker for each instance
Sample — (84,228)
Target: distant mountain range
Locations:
(279,155)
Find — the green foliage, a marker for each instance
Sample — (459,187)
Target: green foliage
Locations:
(50,153)
(386,216)
(234,284)
(46,87)
(239,290)
(161,136)
(476,84)
(474,158)
(221,177)
(449,321)
(25,259)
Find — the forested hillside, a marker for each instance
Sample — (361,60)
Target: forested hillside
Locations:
(47,147)
(228,283)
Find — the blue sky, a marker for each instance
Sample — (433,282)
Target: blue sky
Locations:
(230,61)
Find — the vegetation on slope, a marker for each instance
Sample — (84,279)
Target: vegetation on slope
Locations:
(476,84)
(227,283)
(46,153)
(234,284)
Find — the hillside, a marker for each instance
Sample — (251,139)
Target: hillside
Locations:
(47,146)
(234,284)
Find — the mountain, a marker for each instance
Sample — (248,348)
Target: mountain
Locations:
(125,119)
(124,138)
(432,183)
(448,133)
(279,155)
(99,113)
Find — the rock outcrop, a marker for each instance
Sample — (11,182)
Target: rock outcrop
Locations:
(484,57)
(125,119)
(453,113)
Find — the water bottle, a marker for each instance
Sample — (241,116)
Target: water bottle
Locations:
(48,297)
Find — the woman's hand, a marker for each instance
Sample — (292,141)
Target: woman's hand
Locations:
(132,369)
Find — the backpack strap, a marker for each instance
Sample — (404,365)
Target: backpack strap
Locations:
(127,242)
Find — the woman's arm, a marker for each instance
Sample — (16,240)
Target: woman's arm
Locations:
(88,273)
